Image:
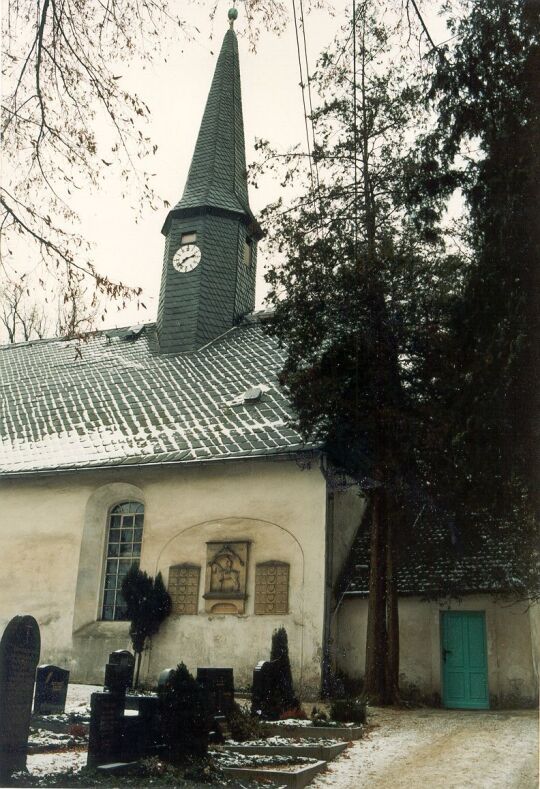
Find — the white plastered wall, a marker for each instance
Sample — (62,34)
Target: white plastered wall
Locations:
(511,675)
(54,532)
(345,512)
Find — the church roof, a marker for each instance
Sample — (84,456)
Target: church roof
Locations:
(119,402)
(442,567)
(217,176)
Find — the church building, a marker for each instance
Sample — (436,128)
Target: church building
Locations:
(169,444)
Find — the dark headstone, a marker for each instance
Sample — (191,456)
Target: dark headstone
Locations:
(149,720)
(119,671)
(106,726)
(219,684)
(19,656)
(263,693)
(51,690)
(221,729)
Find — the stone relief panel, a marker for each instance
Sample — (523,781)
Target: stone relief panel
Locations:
(272,588)
(226,575)
(183,588)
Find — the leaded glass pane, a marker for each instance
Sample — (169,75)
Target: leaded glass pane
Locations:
(121,536)
(123,566)
(109,597)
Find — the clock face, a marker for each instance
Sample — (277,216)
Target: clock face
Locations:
(186,257)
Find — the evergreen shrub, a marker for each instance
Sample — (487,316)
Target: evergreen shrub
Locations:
(244,726)
(349,710)
(284,698)
(184,710)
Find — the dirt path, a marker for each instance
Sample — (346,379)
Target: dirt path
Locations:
(428,749)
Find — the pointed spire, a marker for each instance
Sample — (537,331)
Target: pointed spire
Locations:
(217,175)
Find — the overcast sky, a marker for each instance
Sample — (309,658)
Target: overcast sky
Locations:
(176,87)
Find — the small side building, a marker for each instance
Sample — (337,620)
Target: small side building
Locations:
(474,649)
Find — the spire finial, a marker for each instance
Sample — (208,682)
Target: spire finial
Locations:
(233,14)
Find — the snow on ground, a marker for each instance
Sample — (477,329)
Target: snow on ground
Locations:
(47,763)
(436,749)
(78,697)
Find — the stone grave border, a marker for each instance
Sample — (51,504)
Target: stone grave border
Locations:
(315,732)
(296,778)
(322,752)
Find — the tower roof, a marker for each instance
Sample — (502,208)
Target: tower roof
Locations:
(217,176)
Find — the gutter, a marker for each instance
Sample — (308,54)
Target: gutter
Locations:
(279,456)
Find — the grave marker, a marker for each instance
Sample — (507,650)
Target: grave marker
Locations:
(265,678)
(105,736)
(19,655)
(219,684)
(119,671)
(51,690)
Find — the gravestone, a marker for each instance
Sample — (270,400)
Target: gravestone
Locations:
(219,684)
(263,693)
(51,690)
(105,735)
(165,677)
(19,655)
(119,671)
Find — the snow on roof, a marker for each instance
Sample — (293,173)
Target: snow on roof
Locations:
(444,570)
(117,401)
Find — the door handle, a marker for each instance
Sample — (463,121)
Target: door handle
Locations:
(446,652)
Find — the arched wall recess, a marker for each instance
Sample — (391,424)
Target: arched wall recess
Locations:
(189,545)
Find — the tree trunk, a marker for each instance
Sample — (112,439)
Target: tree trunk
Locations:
(392,619)
(137,670)
(376,625)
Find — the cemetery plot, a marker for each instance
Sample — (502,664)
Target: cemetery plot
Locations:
(322,749)
(305,729)
(290,771)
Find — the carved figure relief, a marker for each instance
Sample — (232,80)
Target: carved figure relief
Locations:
(226,572)
(272,588)
(183,588)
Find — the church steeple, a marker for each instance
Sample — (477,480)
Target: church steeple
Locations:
(208,279)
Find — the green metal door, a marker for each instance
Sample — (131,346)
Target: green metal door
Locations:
(464,660)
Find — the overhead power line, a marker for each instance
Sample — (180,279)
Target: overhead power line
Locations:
(309,92)
(303,89)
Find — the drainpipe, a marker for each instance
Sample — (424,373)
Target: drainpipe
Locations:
(329,560)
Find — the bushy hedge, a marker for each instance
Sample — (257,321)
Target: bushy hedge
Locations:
(349,710)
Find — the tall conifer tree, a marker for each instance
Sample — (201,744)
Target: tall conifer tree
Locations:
(485,92)
(355,299)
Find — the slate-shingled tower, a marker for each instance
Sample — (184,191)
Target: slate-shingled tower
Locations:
(208,279)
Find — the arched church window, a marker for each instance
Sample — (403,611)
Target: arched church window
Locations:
(124,538)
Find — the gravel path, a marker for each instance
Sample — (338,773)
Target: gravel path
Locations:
(428,749)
